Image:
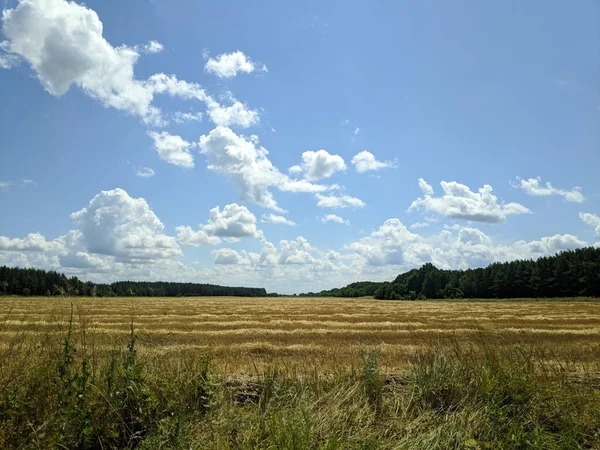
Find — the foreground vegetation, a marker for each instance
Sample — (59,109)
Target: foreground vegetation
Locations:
(235,373)
(59,392)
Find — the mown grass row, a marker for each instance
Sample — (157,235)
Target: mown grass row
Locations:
(61,393)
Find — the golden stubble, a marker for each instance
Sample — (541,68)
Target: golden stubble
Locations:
(243,334)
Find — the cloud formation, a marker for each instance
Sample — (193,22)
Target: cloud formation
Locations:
(233,223)
(116,224)
(339,201)
(334,218)
(278,220)
(144,172)
(365,161)
(533,186)
(173,149)
(228,65)
(244,162)
(459,202)
(318,165)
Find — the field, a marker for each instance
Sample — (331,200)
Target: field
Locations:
(298,373)
(244,333)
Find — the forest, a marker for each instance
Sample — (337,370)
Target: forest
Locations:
(572,273)
(19,281)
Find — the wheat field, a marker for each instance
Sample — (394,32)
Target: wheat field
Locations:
(243,334)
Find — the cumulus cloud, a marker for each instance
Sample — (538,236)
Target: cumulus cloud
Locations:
(118,225)
(7,60)
(533,186)
(63,43)
(456,247)
(181,117)
(385,246)
(420,225)
(27,182)
(228,256)
(4,185)
(195,238)
(244,162)
(34,242)
(592,220)
(235,114)
(173,149)
(341,201)
(228,65)
(295,252)
(278,220)
(152,47)
(232,223)
(318,165)
(459,202)
(334,218)
(365,161)
(144,172)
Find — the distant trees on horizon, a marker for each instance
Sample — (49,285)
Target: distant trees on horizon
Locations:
(571,273)
(19,281)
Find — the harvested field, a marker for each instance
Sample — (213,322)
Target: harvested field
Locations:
(243,334)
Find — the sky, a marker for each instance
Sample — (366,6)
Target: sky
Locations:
(295,146)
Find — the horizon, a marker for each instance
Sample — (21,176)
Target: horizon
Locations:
(297,149)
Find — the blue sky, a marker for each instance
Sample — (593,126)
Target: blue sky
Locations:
(390,134)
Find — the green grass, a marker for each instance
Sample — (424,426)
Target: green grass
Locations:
(60,393)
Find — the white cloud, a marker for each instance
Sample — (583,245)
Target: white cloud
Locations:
(295,252)
(592,220)
(144,172)
(419,225)
(27,182)
(365,161)
(34,242)
(181,117)
(173,149)
(7,60)
(278,220)
(342,201)
(4,185)
(62,41)
(533,186)
(334,218)
(234,222)
(116,224)
(456,247)
(459,202)
(152,47)
(228,65)
(356,131)
(318,165)
(385,246)
(195,238)
(228,256)
(246,164)
(235,114)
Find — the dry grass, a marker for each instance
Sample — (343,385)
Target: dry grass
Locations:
(246,334)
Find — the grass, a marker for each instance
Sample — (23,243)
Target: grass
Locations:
(298,374)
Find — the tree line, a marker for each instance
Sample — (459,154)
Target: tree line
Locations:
(572,273)
(20,281)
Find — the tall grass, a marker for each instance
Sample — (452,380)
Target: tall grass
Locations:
(60,392)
